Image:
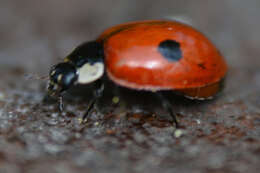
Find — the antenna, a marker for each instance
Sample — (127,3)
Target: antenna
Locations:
(36,77)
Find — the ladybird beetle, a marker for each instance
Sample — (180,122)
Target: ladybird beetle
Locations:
(150,55)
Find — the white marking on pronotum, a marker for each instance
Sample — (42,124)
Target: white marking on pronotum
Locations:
(89,73)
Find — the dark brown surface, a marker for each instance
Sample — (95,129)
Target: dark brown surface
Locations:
(222,135)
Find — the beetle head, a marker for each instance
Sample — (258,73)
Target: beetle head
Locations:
(62,77)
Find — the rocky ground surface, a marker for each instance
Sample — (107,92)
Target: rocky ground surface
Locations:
(135,135)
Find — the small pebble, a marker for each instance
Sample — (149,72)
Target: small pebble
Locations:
(2,96)
(81,120)
(178,133)
(198,121)
(115,100)
(110,131)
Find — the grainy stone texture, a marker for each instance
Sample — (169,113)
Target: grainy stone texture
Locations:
(222,135)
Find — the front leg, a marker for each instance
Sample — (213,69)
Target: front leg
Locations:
(98,93)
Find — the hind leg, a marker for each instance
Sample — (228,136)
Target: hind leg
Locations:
(168,106)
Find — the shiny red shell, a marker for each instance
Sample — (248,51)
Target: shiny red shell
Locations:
(133,60)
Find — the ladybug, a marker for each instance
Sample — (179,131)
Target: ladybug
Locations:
(153,55)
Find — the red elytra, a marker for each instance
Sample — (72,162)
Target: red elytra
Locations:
(132,58)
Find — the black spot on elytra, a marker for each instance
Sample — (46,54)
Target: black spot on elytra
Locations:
(202,65)
(170,49)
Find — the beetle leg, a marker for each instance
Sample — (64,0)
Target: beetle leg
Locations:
(99,90)
(168,106)
(60,102)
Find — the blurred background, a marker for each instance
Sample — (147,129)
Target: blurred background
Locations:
(222,135)
(34,33)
